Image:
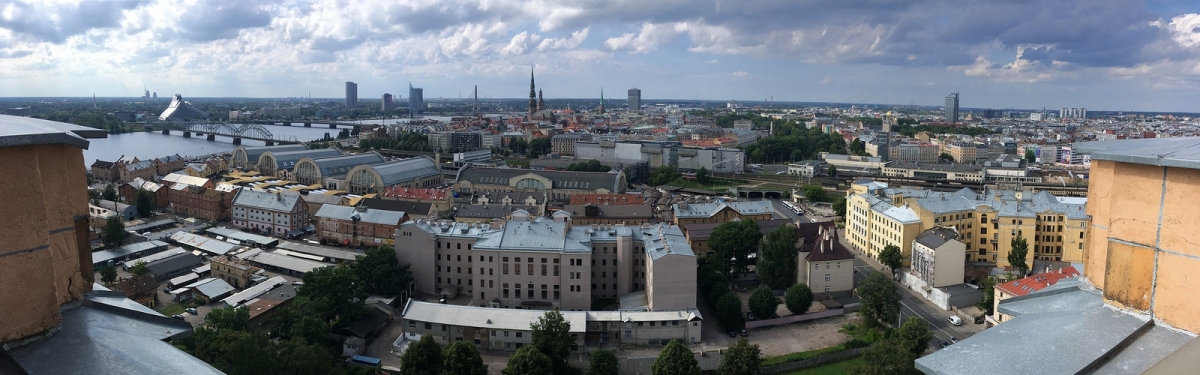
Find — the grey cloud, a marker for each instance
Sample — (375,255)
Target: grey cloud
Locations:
(37,21)
(209,21)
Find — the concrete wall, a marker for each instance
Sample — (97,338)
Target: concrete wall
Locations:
(1141,249)
(672,281)
(841,275)
(46,258)
(949,260)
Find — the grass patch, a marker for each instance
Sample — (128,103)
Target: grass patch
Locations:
(836,368)
(860,337)
(172,309)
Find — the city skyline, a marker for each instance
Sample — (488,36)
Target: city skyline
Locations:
(1102,55)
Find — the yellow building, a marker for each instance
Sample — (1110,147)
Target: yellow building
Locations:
(1054,228)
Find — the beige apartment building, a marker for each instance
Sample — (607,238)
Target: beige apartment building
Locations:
(233,270)
(543,264)
(873,223)
(824,264)
(938,257)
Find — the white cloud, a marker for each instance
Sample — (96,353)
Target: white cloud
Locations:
(553,44)
(519,43)
(648,39)
(740,73)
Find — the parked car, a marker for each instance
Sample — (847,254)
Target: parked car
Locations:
(744,333)
(178,316)
(943,344)
(191,310)
(953,340)
(732,333)
(751,317)
(955,320)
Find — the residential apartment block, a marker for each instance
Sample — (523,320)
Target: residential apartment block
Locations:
(938,257)
(262,211)
(358,226)
(542,264)
(203,203)
(824,264)
(720,212)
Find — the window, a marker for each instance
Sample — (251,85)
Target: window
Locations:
(519,334)
(459,248)
(412,324)
(543,270)
(504,269)
(827,278)
(827,288)
(555,270)
(429,326)
(530,268)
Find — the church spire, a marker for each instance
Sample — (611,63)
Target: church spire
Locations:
(601,100)
(532,94)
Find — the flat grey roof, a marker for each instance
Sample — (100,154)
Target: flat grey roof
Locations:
(243,236)
(485,317)
(362,213)
(110,334)
(127,250)
(287,262)
(27,131)
(208,245)
(319,250)
(1183,152)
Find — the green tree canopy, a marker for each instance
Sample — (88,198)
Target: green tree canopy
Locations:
(336,292)
(777,265)
(145,202)
(663,175)
(462,358)
(891,257)
(528,361)
(741,359)
(1030,156)
(880,301)
(989,295)
(1016,256)
(592,165)
(539,147)
(228,318)
(110,193)
(798,298)
(839,207)
(702,175)
(762,302)
(301,320)
(603,362)
(675,359)
(815,193)
(114,231)
(886,357)
(914,335)
(108,274)
(832,171)
(381,273)
(423,357)
(552,337)
(729,311)
(946,157)
(139,269)
(734,242)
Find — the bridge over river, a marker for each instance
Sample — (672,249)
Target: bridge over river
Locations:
(212,130)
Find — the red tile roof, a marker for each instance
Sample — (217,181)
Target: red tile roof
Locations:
(1037,282)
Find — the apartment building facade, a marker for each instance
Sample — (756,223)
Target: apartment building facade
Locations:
(358,226)
(720,212)
(938,257)
(267,212)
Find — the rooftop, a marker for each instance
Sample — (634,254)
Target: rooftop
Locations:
(28,131)
(208,245)
(484,317)
(1037,282)
(602,199)
(1183,152)
(404,170)
(934,238)
(265,200)
(415,193)
(706,210)
(362,213)
(286,262)
(322,251)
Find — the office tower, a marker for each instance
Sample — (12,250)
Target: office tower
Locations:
(387,102)
(635,99)
(351,95)
(952,108)
(416,99)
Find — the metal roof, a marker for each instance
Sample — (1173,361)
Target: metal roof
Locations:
(127,250)
(208,245)
(559,179)
(154,257)
(319,250)
(287,262)
(266,200)
(400,171)
(254,291)
(705,210)
(211,287)
(936,237)
(335,166)
(1183,152)
(253,152)
(543,234)
(243,236)
(180,178)
(174,263)
(485,317)
(27,131)
(288,159)
(362,214)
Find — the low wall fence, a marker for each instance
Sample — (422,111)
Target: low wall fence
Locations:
(794,318)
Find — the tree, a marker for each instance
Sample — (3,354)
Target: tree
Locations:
(886,357)
(989,295)
(663,175)
(94,196)
(798,298)
(381,273)
(114,231)
(139,269)
(423,357)
(145,202)
(528,361)
(832,171)
(880,301)
(890,256)
(110,193)
(702,175)
(228,318)
(336,293)
(914,335)
(552,337)
(741,359)
(815,193)
(539,147)
(1030,156)
(733,242)
(108,274)
(777,265)
(462,358)
(301,320)
(762,302)
(603,362)
(729,311)
(946,157)
(1016,256)
(675,359)
(839,207)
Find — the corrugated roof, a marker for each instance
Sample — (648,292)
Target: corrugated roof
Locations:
(208,245)
(319,250)
(485,317)
(337,166)
(288,159)
(243,236)
(211,287)
(154,257)
(405,170)
(362,214)
(706,210)
(287,262)
(125,250)
(253,152)
(174,263)
(266,200)
(254,291)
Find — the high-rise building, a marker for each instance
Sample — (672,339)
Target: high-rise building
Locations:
(952,107)
(351,95)
(1079,113)
(635,99)
(416,99)
(387,102)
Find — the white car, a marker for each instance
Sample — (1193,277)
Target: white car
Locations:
(955,320)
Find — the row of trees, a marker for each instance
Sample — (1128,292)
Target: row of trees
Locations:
(589,166)
(675,359)
(794,143)
(407,141)
(532,149)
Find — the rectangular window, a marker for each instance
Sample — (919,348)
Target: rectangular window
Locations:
(504,269)
(543,270)
(556,270)
(826,277)
(519,334)
(531,268)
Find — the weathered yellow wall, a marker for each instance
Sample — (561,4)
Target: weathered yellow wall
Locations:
(1181,221)
(40,266)
(1175,297)
(1100,186)
(1130,272)
(1136,195)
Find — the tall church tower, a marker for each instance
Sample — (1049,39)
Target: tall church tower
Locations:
(602,101)
(532,94)
(541,103)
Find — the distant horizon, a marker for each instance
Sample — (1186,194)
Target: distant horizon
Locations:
(749,103)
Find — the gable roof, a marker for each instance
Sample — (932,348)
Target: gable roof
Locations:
(362,213)
(1037,282)
(265,200)
(827,248)
(706,210)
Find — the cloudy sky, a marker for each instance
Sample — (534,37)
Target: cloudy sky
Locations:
(1100,54)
